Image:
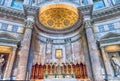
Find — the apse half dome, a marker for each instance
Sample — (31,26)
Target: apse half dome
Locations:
(58,16)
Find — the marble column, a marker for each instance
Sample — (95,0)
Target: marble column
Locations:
(7,74)
(48,54)
(106,59)
(94,56)
(68,51)
(87,57)
(24,52)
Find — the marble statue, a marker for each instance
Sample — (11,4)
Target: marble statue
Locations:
(2,61)
(116,65)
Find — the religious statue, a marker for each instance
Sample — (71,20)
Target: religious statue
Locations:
(116,64)
(2,61)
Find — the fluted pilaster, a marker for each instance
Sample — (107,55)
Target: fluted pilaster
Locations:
(86,55)
(24,52)
(94,56)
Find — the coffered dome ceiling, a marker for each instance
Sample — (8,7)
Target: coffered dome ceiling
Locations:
(58,16)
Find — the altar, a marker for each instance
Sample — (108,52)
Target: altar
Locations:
(59,71)
(60,79)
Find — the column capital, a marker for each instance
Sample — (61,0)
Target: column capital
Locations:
(88,24)
(29,22)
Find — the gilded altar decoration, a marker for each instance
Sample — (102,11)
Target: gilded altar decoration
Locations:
(48,70)
(58,53)
(58,16)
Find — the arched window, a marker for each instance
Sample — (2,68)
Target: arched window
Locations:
(98,4)
(18,4)
(115,2)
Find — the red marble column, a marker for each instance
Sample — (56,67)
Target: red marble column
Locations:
(24,52)
(94,56)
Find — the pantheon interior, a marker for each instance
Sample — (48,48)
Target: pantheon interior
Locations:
(60,40)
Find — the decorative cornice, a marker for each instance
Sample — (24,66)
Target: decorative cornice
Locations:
(9,42)
(110,35)
(30,10)
(58,41)
(106,13)
(20,14)
(109,39)
(86,10)
(12,12)
(76,27)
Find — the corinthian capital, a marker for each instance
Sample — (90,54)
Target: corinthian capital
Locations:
(29,22)
(88,24)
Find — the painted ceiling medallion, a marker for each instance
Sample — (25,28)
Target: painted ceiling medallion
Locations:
(58,16)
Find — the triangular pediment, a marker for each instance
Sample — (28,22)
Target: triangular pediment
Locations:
(7,36)
(110,35)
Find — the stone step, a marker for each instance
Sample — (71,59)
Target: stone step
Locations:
(66,79)
(61,79)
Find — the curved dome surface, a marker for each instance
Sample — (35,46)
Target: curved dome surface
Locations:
(58,16)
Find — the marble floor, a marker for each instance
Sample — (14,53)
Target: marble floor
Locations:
(58,79)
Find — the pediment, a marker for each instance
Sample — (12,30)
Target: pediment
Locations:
(7,36)
(110,35)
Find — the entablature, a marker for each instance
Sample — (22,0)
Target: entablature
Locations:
(12,12)
(106,13)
